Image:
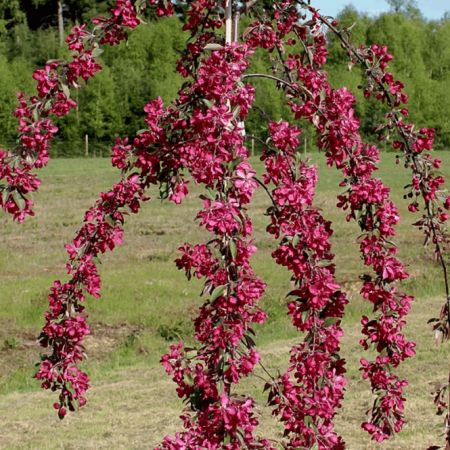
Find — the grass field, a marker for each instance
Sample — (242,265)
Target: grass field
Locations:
(147,303)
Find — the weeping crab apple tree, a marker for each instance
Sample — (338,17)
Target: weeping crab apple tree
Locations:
(200,138)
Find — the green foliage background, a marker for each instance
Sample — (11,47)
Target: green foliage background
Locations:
(144,67)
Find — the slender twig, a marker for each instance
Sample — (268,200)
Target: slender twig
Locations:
(261,183)
(270,77)
(256,138)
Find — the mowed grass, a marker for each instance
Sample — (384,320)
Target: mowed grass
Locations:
(147,304)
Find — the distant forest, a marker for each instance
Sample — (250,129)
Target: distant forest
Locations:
(112,103)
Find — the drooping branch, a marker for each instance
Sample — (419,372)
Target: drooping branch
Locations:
(331,112)
(307,396)
(54,83)
(207,376)
(142,164)
(268,77)
(416,146)
(375,64)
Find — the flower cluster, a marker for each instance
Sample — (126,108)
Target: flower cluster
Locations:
(215,156)
(66,327)
(415,144)
(203,19)
(366,201)
(54,83)
(427,185)
(162,7)
(307,396)
(142,164)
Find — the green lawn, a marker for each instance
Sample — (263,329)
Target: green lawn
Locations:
(147,303)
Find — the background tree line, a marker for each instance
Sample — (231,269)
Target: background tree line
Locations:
(143,68)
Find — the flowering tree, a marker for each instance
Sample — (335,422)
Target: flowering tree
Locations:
(200,137)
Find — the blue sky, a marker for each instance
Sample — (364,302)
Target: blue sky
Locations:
(431,9)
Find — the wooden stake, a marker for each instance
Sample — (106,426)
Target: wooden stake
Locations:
(86,146)
(228,21)
(236,19)
(61,23)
